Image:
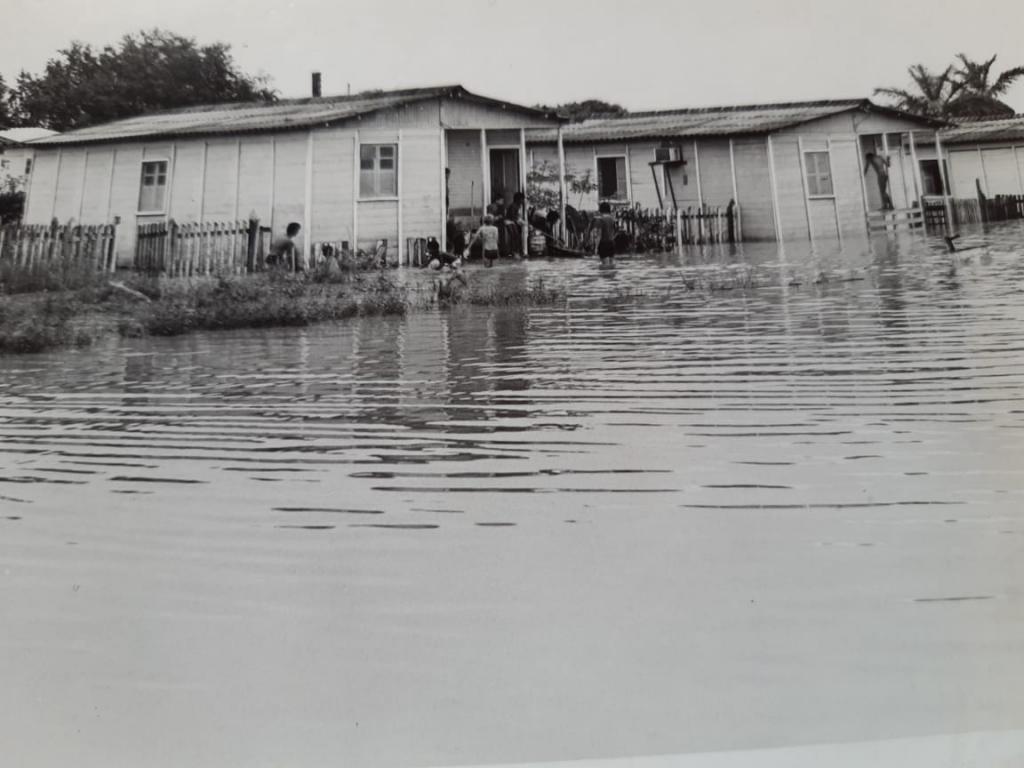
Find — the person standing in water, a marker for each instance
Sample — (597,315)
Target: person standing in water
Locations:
(606,226)
(488,237)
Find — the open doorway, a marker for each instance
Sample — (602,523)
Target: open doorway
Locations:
(505,179)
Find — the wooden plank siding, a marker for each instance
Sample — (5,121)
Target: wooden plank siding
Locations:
(421,190)
(999,169)
(332,186)
(466,183)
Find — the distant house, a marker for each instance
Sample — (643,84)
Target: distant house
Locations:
(360,168)
(15,155)
(797,170)
(986,155)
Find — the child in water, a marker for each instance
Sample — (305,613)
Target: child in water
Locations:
(606,227)
(488,237)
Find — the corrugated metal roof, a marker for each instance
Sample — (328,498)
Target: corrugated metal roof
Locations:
(249,117)
(712,121)
(19,135)
(971,131)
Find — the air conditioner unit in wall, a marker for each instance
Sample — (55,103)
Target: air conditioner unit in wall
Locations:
(668,154)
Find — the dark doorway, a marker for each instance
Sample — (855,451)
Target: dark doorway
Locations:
(931,178)
(504,174)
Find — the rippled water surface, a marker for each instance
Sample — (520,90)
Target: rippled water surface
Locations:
(739,499)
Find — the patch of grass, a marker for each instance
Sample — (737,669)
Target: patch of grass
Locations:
(64,275)
(45,325)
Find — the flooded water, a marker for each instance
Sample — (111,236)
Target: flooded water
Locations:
(739,499)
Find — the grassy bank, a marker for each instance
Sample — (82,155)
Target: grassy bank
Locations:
(71,307)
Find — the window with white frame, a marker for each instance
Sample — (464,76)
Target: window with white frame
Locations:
(378,170)
(611,179)
(819,174)
(153,186)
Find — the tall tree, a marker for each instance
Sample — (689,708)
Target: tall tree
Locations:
(578,111)
(931,94)
(981,93)
(149,71)
(6,120)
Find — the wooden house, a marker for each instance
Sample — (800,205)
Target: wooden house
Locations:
(16,154)
(986,155)
(359,169)
(800,170)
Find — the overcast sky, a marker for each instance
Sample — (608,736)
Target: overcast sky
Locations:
(643,54)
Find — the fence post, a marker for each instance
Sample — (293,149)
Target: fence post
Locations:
(250,245)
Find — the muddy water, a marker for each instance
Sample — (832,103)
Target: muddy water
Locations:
(739,499)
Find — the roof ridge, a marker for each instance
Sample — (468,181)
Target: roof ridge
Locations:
(301,100)
(739,108)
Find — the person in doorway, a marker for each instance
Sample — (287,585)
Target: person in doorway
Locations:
(487,236)
(606,228)
(880,165)
(283,252)
(515,223)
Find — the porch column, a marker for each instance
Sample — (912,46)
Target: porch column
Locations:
(522,175)
(945,184)
(775,191)
(443,154)
(485,170)
(861,170)
(696,172)
(918,183)
(803,187)
(562,195)
(308,257)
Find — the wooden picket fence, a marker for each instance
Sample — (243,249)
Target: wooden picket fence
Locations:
(215,247)
(30,245)
(971,210)
(665,228)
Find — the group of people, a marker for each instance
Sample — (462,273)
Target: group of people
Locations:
(501,233)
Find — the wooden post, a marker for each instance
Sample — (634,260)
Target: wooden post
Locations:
(732,170)
(443,164)
(775,191)
(945,184)
(679,231)
(903,176)
(803,186)
(250,244)
(984,174)
(81,195)
(835,193)
(863,186)
(355,191)
(307,254)
(485,168)
(696,173)
(918,183)
(562,194)
(524,234)
(273,183)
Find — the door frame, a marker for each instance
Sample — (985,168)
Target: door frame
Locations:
(490,178)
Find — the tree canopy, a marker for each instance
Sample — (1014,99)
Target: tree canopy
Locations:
(578,111)
(964,89)
(148,71)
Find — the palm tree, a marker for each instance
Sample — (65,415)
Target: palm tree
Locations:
(933,95)
(980,94)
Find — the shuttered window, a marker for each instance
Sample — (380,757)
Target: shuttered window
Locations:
(153,187)
(819,174)
(378,170)
(611,178)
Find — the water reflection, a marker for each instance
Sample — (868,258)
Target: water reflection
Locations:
(738,442)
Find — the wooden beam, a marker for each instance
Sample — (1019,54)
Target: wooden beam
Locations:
(307,206)
(81,195)
(562,192)
(863,185)
(945,184)
(56,187)
(355,191)
(732,170)
(485,170)
(803,186)
(835,192)
(442,149)
(775,191)
(525,230)
(273,180)
(918,183)
(984,173)
(696,172)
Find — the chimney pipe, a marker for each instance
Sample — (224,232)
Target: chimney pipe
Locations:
(316,85)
